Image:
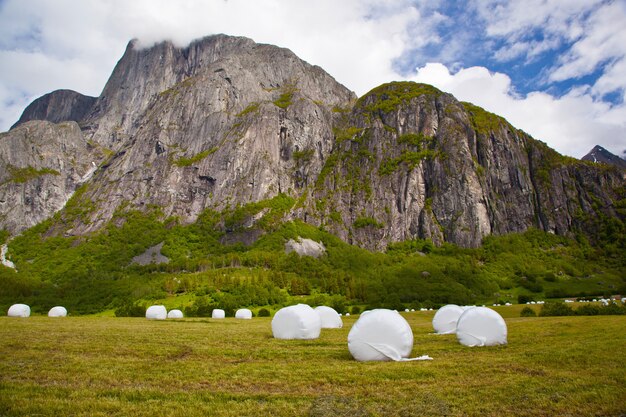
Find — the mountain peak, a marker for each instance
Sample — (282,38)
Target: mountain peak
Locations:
(600,155)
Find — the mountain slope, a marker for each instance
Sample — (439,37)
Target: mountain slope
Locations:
(411,161)
(226,122)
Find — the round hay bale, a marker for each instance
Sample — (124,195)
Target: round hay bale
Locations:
(19,310)
(158,312)
(481,326)
(218,313)
(175,314)
(296,322)
(380,335)
(329,317)
(444,321)
(243,313)
(57,311)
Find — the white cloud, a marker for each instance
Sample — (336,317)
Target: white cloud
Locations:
(572,124)
(604,41)
(354,40)
(43,47)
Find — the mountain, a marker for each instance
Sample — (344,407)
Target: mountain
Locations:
(600,155)
(226,122)
(58,106)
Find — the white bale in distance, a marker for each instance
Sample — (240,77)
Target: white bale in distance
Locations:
(57,311)
(296,322)
(444,321)
(481,326)
(329,317)
(218,313)
(174,314)
(380,335)
(19,310)
(243,313)
(158,312)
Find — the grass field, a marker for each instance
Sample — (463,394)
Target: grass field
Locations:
(101,366)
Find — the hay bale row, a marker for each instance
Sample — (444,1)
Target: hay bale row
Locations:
(23,310)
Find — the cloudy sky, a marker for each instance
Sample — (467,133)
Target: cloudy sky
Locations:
(554,68)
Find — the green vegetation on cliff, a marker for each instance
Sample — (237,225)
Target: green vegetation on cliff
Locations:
(388,97)
(483,121)
(22,175)
(185,162)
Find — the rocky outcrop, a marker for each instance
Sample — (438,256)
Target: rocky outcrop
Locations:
(225,122)
(305,247)
(58,106)
(413,162)
(152,255)
(41,166)
(222,122)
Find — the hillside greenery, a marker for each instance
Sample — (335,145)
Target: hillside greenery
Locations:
(236,258)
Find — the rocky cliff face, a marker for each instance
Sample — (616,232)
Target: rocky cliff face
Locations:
(41,166)
(226,121)
(58,106)
(411,161)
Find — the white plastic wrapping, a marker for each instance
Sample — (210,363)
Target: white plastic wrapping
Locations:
(243,313)
(57,311)
(481,326)
(296,322)
(218,313)
(329,317)
(381,335)
(174,314)
(19,310)
(446,318)
(158,312)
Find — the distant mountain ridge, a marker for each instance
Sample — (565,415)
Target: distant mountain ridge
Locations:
(227,122)
(600,155)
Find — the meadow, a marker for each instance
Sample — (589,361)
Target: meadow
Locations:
(106,366)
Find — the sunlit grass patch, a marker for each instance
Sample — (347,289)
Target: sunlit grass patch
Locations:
(131,366)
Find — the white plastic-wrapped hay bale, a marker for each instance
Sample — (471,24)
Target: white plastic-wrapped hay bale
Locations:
(481,326)
(329,317)
(57,311)
(444,321)
(218,313)
(243,313)
(296,322)
(19,310)
(381,335)
(158,312)
(174,314)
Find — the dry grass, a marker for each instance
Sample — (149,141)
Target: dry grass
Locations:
(101,366)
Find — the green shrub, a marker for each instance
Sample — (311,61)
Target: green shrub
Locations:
(131,310)
(355,310)
(556,309)
(527,312)
(264,312)
(523,299)
(588,310)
